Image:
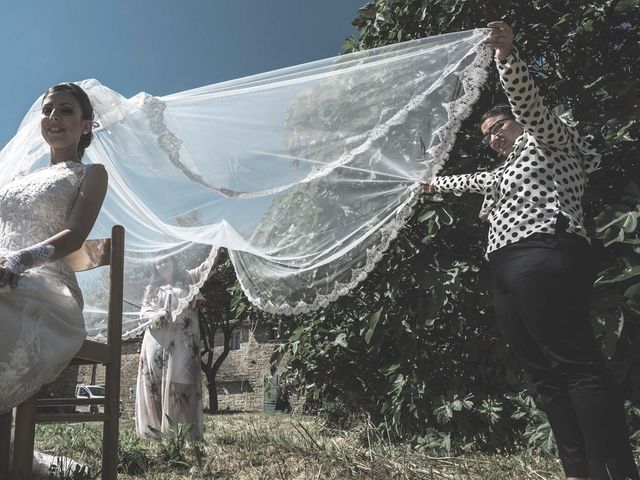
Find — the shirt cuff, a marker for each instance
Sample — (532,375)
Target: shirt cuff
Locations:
(508,61)
(435,183)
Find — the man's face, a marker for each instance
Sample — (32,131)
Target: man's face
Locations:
(500,133)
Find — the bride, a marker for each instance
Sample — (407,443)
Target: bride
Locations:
(44,216)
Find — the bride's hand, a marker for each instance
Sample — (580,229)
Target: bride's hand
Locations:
(7,276)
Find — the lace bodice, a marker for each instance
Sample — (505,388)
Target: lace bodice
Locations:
(36,206)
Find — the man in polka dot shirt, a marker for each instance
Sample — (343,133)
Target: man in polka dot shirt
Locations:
(542,267)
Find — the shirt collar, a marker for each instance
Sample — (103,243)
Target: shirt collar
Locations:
(518,144)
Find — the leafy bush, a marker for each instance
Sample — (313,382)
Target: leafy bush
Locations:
(416,346)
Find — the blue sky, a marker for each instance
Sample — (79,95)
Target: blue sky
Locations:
(157,46)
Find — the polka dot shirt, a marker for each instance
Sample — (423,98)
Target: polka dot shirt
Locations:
(545,175)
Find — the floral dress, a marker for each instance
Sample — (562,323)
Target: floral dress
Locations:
(169,387)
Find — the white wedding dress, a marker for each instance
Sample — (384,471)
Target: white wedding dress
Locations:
(42,323)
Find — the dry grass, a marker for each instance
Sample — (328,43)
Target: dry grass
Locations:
(260,446)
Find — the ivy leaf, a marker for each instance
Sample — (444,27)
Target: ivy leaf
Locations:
(613,236)
(633,292)
(445,217)
(373,323)
(631,222)
(297,333)
(624,5)
(626,274)
(341,340)
(392,368)
(611,216)
(426,215)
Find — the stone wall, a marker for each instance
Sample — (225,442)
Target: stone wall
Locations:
(128,375)
(240,380)
(64,386)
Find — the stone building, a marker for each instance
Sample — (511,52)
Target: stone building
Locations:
(64,386)
(244,382)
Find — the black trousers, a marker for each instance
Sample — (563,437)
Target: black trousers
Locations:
(542,286)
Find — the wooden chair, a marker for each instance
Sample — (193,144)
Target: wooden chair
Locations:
(5,445)
(93,254)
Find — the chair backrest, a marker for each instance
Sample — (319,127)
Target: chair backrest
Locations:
(92,254)
(116,284)
(101,252)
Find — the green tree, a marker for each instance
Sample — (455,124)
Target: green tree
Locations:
(416,346)
(224,309)
(215,315)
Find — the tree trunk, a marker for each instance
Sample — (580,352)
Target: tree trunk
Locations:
(214,315)
(210,372)
(213,391)
(211,378)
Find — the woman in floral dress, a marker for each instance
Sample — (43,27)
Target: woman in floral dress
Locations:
(169,387)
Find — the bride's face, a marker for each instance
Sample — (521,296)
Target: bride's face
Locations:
(61,123)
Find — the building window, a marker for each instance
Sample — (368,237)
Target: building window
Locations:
(274,333)
(236,338)
(279,332)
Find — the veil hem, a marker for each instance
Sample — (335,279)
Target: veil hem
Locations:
(471,78)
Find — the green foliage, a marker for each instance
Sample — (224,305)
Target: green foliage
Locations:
(64,471)
(537,433)
(174,441)
(63,441)
(133,456)
(249,446)
(224,308)
(416,346)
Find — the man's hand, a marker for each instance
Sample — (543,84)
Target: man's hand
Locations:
(501,38)
(427,187)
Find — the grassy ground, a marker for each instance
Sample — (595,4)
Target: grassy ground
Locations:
(259,446)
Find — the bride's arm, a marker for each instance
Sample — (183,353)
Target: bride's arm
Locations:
(83,214)
(81,220)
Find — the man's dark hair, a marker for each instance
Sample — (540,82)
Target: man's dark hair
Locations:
(500,109)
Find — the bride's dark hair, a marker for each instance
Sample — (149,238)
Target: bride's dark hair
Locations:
(85,107)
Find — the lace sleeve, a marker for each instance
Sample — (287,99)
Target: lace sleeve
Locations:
(195,273)
(152,313)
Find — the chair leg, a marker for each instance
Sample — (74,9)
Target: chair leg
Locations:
(110,449)
(5,444)
(23,440)
(110,431)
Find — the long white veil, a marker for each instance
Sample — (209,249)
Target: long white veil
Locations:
(305,174)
